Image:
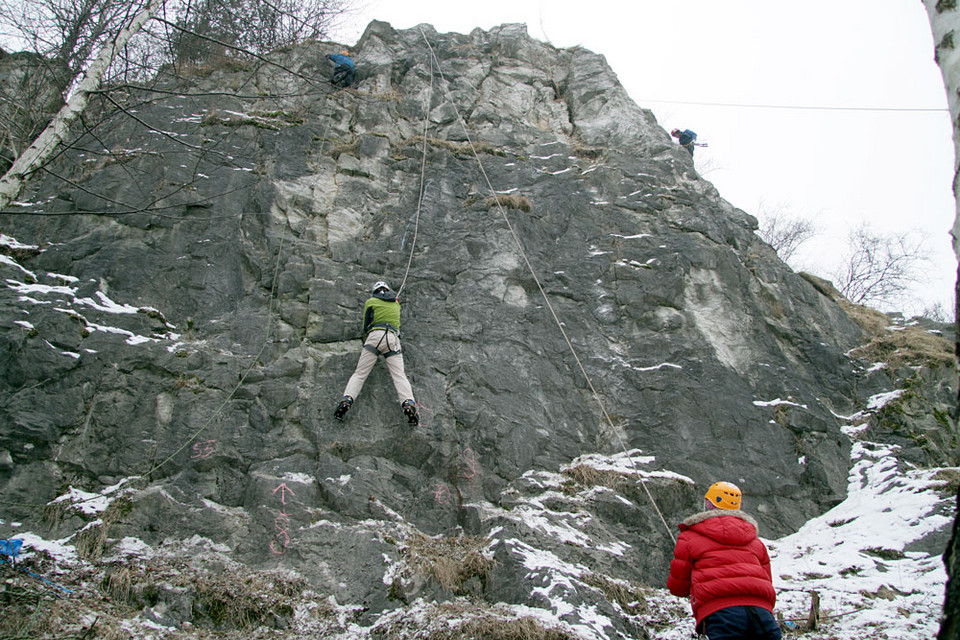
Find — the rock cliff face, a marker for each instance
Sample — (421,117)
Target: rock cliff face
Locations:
(182,312)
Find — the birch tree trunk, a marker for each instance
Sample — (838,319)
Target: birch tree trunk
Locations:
(945,23)
(11,184)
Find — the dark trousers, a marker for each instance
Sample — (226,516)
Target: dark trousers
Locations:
(741,623)
(343,75)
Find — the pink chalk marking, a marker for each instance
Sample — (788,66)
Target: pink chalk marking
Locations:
(203,449)
(421,409)
(283,489)
(471,459)
(282,530)
(440,493)
(281,522)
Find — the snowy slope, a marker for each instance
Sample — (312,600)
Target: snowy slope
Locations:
(857,556)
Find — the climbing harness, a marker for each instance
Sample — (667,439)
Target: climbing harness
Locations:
(386,332)
(536,279)
(386,326)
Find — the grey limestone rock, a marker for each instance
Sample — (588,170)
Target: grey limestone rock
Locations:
(195,315)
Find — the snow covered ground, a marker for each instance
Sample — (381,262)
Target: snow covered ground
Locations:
(858,557)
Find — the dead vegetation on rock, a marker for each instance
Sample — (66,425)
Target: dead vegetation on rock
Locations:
(465,620)
(111,600)
(449,561)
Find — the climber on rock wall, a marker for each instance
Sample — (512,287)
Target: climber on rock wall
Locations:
(725,569)
(381,329)
(686,138)
(344,70)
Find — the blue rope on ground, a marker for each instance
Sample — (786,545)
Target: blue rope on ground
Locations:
(8,553)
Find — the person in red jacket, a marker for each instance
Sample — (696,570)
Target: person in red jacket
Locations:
(725,569)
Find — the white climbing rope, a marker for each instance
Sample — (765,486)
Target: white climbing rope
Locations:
(423,172)
(536,279)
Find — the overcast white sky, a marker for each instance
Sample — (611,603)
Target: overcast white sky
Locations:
(875,155)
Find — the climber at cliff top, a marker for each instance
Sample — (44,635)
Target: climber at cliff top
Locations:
(686,138)
(725,569)
(381,328)
(344,70)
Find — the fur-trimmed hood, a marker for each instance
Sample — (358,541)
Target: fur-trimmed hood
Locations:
(724,525)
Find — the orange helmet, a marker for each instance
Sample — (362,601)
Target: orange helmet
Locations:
(724,495)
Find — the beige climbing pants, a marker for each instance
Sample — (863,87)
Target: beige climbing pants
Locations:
(380,341)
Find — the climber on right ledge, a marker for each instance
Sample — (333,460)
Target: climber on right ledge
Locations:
(686,138)
(721,564)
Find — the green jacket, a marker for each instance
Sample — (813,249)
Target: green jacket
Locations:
(379,311)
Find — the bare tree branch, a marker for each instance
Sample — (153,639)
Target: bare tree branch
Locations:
(783,231)
(68,33)
(879,269)
(12,182)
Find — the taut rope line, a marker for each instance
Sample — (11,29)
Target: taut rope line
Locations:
(423,171)
(536,279)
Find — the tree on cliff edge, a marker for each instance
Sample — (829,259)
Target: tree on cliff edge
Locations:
(91,45)
(11,184)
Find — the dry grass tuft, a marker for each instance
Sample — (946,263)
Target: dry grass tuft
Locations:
(459,148)
(218,62)
(627,595)
(521,203)
(54,513)
(589,153)
(946,481)
(897,347)
(908,346)
(387,96)
(449,561)
(118,584)
(348,146)
(468,620)
(823,286)
(588,476)
(493,628)
(91,540)
(874,322)
(231,603)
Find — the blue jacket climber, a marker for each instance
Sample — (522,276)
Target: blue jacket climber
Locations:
(686,138)
(344,71)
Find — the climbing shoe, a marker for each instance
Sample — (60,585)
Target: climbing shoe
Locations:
(343,407)
(410,410)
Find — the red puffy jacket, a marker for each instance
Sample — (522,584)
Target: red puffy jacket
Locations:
(719,562)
